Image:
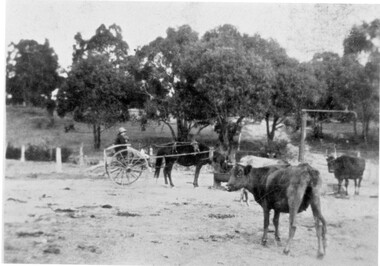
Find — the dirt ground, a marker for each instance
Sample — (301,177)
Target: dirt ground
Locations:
(77,217)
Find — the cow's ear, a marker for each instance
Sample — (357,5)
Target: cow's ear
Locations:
(247,169)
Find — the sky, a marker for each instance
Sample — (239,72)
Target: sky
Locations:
(302,29)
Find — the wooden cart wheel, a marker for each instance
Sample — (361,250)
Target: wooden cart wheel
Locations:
(126,166)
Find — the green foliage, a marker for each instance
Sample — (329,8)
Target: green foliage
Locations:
(43,153)
(233,80)
(292,87)
(221,75)
(38,153)
(160,76)
(31,72)
(360,38)
(106,41)
(364,92)
(12,152)
(98,90)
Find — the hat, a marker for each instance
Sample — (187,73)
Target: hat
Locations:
(122,130)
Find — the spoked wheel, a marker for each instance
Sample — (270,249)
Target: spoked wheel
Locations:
(126,166)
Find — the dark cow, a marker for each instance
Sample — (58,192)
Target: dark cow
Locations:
(182,153)
(288,189)
(346,167)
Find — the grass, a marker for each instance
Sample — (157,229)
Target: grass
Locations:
(29,125)
(24,127)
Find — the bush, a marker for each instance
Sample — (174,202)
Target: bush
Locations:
(12,152)
(43,153)
(37,153)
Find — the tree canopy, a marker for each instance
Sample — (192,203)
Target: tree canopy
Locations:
(199,80)
(32,72)
(98,89)
(363,82)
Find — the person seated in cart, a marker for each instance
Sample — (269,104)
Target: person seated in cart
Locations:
(121,138)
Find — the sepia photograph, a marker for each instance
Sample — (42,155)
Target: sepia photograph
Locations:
(190,133)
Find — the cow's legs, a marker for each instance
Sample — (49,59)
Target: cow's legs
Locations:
(320,230)
(346,185)
(170,174)
(355,182)
(276,219)
(360,181)
(340,180)
(266,225)
(197,170)
(294,204)
(167,173)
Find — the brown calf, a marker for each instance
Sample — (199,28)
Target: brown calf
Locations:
(287,189)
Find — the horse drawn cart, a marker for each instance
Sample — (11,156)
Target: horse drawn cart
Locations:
(124,164)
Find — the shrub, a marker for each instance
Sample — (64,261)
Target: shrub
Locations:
(43,153)
(37,153)
(12,152)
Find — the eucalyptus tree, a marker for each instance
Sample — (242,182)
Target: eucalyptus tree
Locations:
(292,88)
(32,72)
(362,40)
(99,89)
(233,80)
(158,72)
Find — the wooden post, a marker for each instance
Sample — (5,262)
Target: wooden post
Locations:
(151,156)
(239,141)
(301,154)
(23,153)
(81,158)
(58,159)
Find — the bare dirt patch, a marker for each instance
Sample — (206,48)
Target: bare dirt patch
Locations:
(77,218)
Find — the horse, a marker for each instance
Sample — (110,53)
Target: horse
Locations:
(189,154)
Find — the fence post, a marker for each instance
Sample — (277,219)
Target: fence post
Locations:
(301,154)
(58,160)
(239,141)
(23,153)
(81,157)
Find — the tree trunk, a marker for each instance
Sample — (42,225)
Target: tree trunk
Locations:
(182,130)
(96,134)
(227,132)
(366,122)
(225,140)
(354,126)
(171,129)
(271,130)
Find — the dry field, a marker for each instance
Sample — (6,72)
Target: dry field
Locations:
(77,217)
(80,217)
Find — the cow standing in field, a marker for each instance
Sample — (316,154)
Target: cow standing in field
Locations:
(347,167)
(287,189)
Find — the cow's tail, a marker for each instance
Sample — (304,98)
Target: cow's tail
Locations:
(314,174)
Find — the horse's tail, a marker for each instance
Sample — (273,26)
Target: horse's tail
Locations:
(158,164)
